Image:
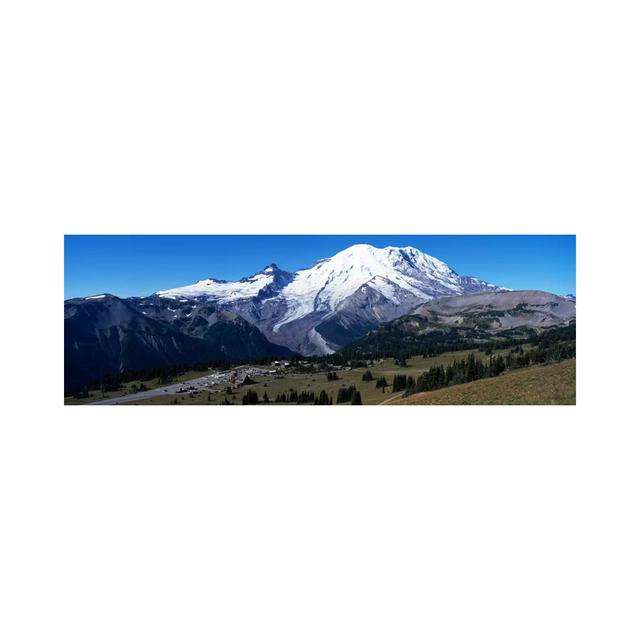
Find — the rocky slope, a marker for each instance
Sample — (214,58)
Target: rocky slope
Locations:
(105,334)
(473,318)
(495,311)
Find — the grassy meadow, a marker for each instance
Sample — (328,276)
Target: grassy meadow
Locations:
(316,381)
(540,384)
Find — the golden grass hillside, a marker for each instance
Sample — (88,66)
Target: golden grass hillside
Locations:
(543,384)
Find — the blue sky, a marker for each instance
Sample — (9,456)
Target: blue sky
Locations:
(139,265)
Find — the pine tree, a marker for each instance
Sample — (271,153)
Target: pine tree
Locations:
(345,394)
(381,383)
(251,397)
(399,382)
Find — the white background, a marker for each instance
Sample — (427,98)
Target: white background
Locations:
(332,117)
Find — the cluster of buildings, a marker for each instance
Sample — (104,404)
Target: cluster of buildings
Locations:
(286,364)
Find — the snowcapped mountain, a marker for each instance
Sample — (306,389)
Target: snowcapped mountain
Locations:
(229,292)
(324,307)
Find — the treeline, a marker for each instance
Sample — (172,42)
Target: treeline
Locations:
(390,341)
(349,395)
(295,397)
(393,342)
(113,381)
(472,368)
(346,395)
(304,397)
(166,373)
(554,336)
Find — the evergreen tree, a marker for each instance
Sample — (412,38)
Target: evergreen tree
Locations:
(322,399)
(399,383)
(251,397)
(306,397)
(345,394)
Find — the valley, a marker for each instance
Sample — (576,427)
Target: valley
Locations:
(313,311)
(539,384)
(402,319)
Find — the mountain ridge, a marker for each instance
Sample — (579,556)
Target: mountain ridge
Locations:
(471,318)
(312,309)
(105,334)
(317,310)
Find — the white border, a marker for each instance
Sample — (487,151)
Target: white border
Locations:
(304,118)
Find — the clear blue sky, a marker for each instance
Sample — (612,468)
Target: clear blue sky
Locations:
(140,265)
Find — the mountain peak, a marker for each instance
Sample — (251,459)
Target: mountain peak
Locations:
(361,246)
(288,306)
(272,271)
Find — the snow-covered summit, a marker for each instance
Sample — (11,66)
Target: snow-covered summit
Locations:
(220,290)
(329,281)
(227,292)
(326,284)
(402,276)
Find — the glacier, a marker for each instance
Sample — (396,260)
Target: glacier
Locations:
(357,287)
